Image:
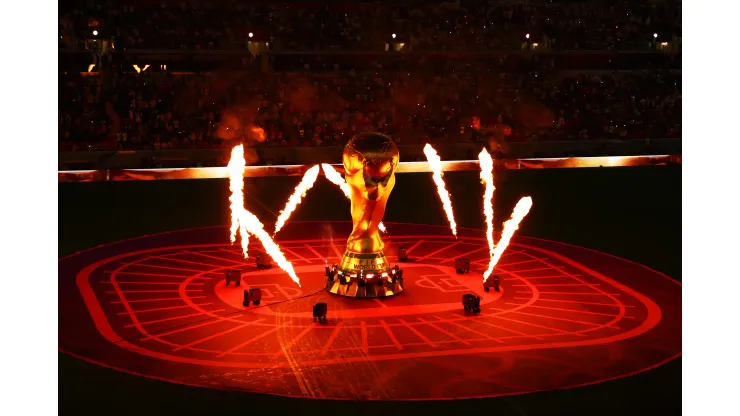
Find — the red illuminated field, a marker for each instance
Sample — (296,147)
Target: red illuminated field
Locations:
(157,306)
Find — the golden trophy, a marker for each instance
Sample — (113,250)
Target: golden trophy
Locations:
(370,161)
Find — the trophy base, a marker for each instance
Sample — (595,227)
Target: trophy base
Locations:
(362,275)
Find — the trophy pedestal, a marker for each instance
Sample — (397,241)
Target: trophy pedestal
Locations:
(365,275)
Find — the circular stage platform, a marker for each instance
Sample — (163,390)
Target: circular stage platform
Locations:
(157,306)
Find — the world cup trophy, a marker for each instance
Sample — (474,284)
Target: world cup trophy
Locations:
(370,161)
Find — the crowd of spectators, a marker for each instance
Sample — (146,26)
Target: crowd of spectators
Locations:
(624,106)
(309,100)
(160,110)
(469,25)
(82,111)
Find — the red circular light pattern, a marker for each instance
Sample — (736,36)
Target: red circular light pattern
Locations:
(158,306)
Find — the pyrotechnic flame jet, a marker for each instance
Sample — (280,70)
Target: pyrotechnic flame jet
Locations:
(520,211)
(435,164)
(236,186)
(486,176)
(336,178)
(309,178)
(245,221)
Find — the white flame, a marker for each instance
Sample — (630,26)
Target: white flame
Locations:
(435,163)
(309,178)
(486,176)
(247,223)
(520,211)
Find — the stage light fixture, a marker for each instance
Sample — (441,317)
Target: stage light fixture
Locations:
(319,312)
(402,256)
(462,265)
(263,262)
(471,303)
(233,276)
(493,282)
(253,295)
